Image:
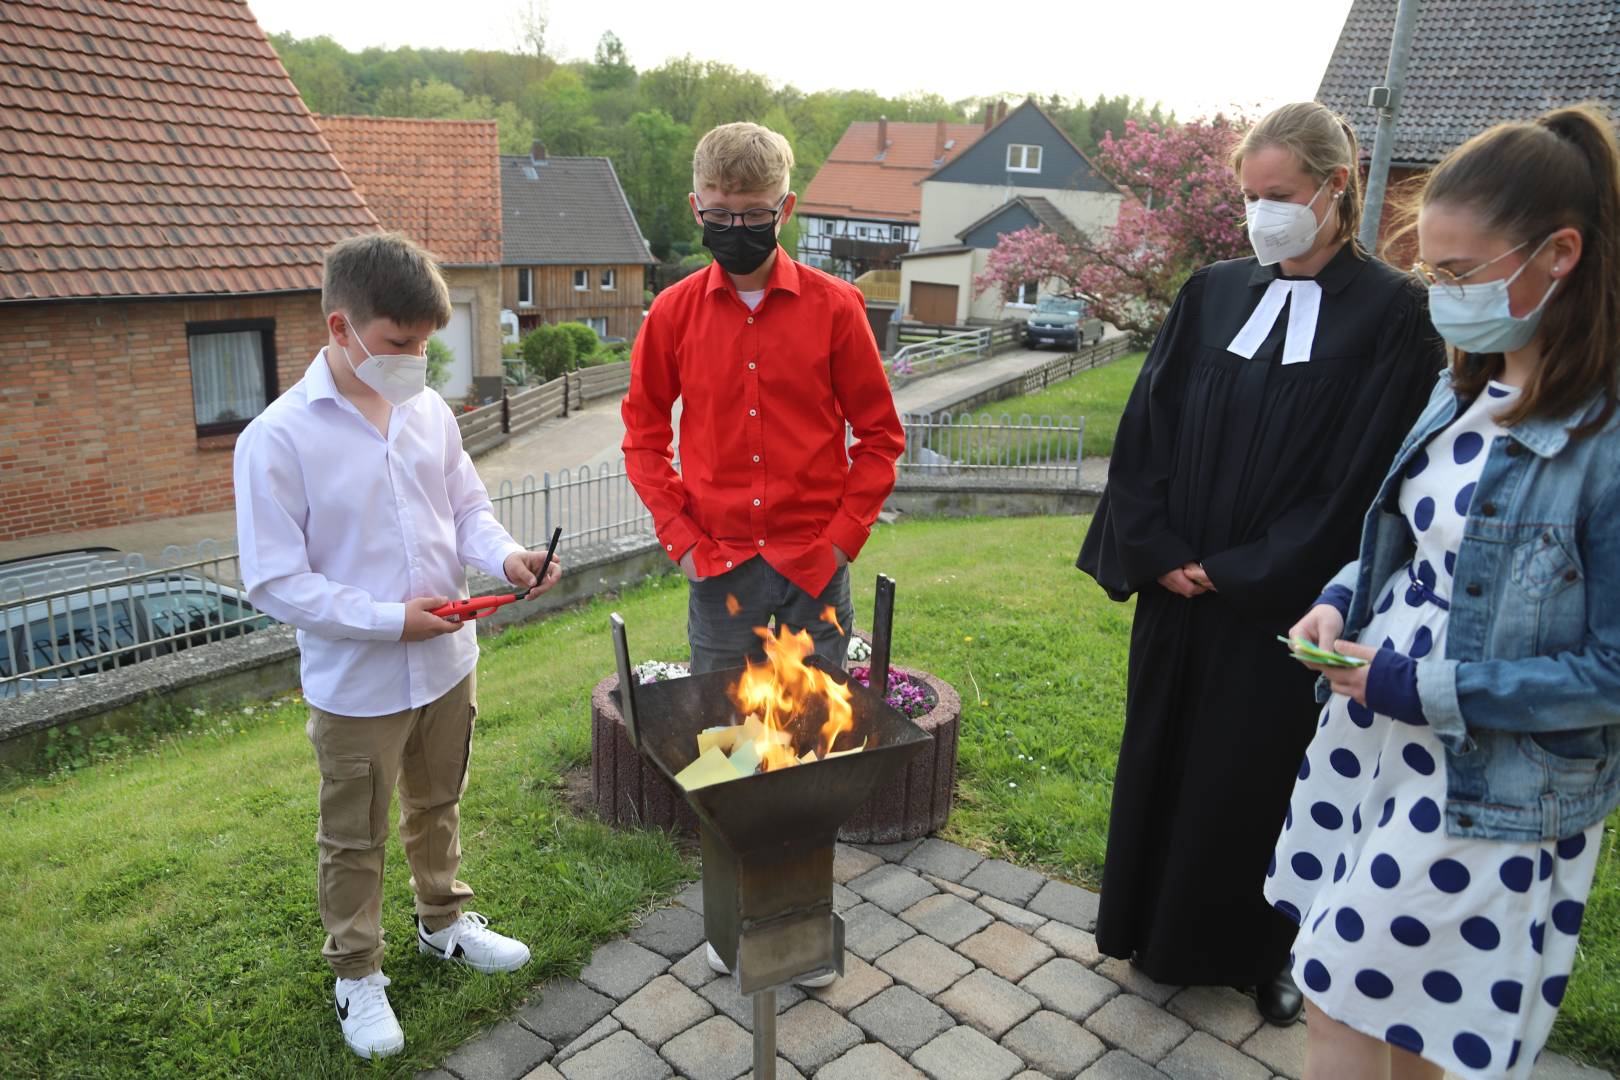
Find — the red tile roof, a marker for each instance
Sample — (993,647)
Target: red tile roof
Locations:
(158,148)
(854,183)
(436,181)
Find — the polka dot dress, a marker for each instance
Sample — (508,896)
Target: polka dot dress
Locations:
(1455,948)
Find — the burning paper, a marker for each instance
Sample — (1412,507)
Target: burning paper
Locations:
(776,698)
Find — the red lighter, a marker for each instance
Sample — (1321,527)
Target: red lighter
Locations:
(476,607)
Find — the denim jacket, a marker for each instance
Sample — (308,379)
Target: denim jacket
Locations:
(1526,699)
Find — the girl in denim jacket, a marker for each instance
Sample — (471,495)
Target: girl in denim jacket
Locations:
(1446,824)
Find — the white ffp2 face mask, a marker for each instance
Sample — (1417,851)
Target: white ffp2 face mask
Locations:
(1283,230)
(397,377)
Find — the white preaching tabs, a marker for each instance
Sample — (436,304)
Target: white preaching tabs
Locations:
(1301,333)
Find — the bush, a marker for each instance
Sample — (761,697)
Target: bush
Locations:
(584,338)
(511,350)
(439,359)
(548,351)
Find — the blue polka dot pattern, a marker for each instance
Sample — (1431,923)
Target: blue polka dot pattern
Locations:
(1449,875)
(1420,760)
(1451,563)
(1287,909)
(1271,868)
(1507,995)
(1349,924)
(1464,498)
(1305,767)
(1389,812)
(1498,391)
(1360,715)
(1355,819)
(1443,987)
(1389,598)
(1326,815)
(1513,1054)
(1573,846)
(1306,865)
(1407,1038)
(1538,934)
(1567,915)
(1374,983)
(1317,923)
(1424,815)
(1481,933)
(1546,865)
(1467,447)
(1317,977)
(1552,990)
(1338,868)
(1422,643)
(1423,514)
(1517,873)
(1471,1050)
(1345,763)
(1386,872)
(1409,931)
(1417,464)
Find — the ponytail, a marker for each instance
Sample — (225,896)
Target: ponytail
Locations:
(1321,141)
(1526,181)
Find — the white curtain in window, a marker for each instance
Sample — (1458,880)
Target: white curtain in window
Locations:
(227,376)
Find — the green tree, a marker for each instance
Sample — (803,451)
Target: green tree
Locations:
(322,70)
(548,351)
(439,359)
(583,340)
(676,87)
(560,109)
(653,157)
(611,69)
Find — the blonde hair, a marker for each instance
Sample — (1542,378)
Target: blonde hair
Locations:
(742,157)
(1321,141)
(386,275)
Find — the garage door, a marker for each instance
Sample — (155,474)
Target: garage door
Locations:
(933,303)
(459,337)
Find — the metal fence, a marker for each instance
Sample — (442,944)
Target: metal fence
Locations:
(944,346)
(592,507)
(64,618)
(1040,449)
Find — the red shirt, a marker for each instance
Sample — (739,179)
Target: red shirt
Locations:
(764,398)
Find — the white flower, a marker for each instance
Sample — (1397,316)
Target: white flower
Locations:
(1011,783)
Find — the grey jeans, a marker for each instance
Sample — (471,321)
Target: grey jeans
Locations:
(765,598)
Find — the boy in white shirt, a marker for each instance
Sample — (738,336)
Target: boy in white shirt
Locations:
(356,509)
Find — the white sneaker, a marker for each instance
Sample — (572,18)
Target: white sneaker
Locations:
(469,941)
(718,966)
(369,1026)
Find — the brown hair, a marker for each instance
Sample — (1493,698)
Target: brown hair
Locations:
(1321,141)
(1526,180)
(742,157)
(384,275)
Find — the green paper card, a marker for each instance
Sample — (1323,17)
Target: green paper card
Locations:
(1305,651)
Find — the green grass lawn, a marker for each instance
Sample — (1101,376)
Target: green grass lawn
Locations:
(160,905)
(1098,395)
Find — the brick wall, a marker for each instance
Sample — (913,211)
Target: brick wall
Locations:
(96,418)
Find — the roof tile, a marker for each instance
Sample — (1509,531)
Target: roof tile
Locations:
(564,211)
(856,182)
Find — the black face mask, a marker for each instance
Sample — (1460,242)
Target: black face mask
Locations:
(739,250)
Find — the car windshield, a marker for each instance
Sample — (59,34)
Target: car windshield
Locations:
(1054,305)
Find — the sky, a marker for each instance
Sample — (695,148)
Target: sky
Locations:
(1196,56)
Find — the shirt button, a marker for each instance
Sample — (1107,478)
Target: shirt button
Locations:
(762,543)
(1514,449)
(751,412)
(750,320)
(728,564)
(1488,510)
(1474,589)
(756,457)
(750,365)
(669,547)
(1572,575)
(756,502)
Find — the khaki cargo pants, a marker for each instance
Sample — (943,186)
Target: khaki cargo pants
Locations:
(362,758)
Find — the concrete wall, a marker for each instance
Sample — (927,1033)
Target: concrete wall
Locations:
(948,208)
(99,427)
(480,286)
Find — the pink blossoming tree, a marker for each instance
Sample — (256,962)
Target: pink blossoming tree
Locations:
(1185,211)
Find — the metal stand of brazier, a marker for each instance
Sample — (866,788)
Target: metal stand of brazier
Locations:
(768,838)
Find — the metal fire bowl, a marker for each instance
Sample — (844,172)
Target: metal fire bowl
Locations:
(768,838)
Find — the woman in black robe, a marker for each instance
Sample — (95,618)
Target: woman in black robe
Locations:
(1272,401)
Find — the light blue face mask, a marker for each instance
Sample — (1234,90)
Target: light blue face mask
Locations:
(1478,318)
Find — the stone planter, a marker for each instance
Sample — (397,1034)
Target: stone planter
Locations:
(629,790)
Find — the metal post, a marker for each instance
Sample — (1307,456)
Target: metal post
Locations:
(882,635)
(765,1035)
(1386,100)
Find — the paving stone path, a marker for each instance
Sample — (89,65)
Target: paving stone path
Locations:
(957,967)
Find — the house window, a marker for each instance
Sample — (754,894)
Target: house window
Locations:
(597,323)
(896,232)
(1025,293)
(582,280)
(608,280)
(233,372)
(1022,157)
(525,287)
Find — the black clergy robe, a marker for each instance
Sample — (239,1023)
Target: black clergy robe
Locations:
(1262,471)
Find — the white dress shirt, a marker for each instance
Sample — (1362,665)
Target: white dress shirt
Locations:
(339,526)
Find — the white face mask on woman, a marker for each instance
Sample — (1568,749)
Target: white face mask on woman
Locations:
(1479,318)
(397,377)
(1284,230)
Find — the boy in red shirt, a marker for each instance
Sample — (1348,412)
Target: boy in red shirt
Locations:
(769,359)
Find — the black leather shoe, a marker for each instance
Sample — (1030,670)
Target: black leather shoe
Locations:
(1279,1000)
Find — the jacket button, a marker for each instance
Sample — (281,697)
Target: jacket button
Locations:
(1488,510)
(1514,449)
(1571,575)
(1465,821)
(1474,589)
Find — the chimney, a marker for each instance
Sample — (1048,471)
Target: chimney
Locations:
(939,140)
(1001,111)
(883,135)
(989,116)
(537,152)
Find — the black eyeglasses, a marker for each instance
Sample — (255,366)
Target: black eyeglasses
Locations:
(756,220)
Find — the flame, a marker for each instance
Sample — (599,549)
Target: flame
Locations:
(732,607)
(779,692)
(828,615)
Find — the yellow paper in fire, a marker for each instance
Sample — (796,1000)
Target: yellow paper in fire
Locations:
(745,759)
(711,767)
(725,738)
(841,753)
